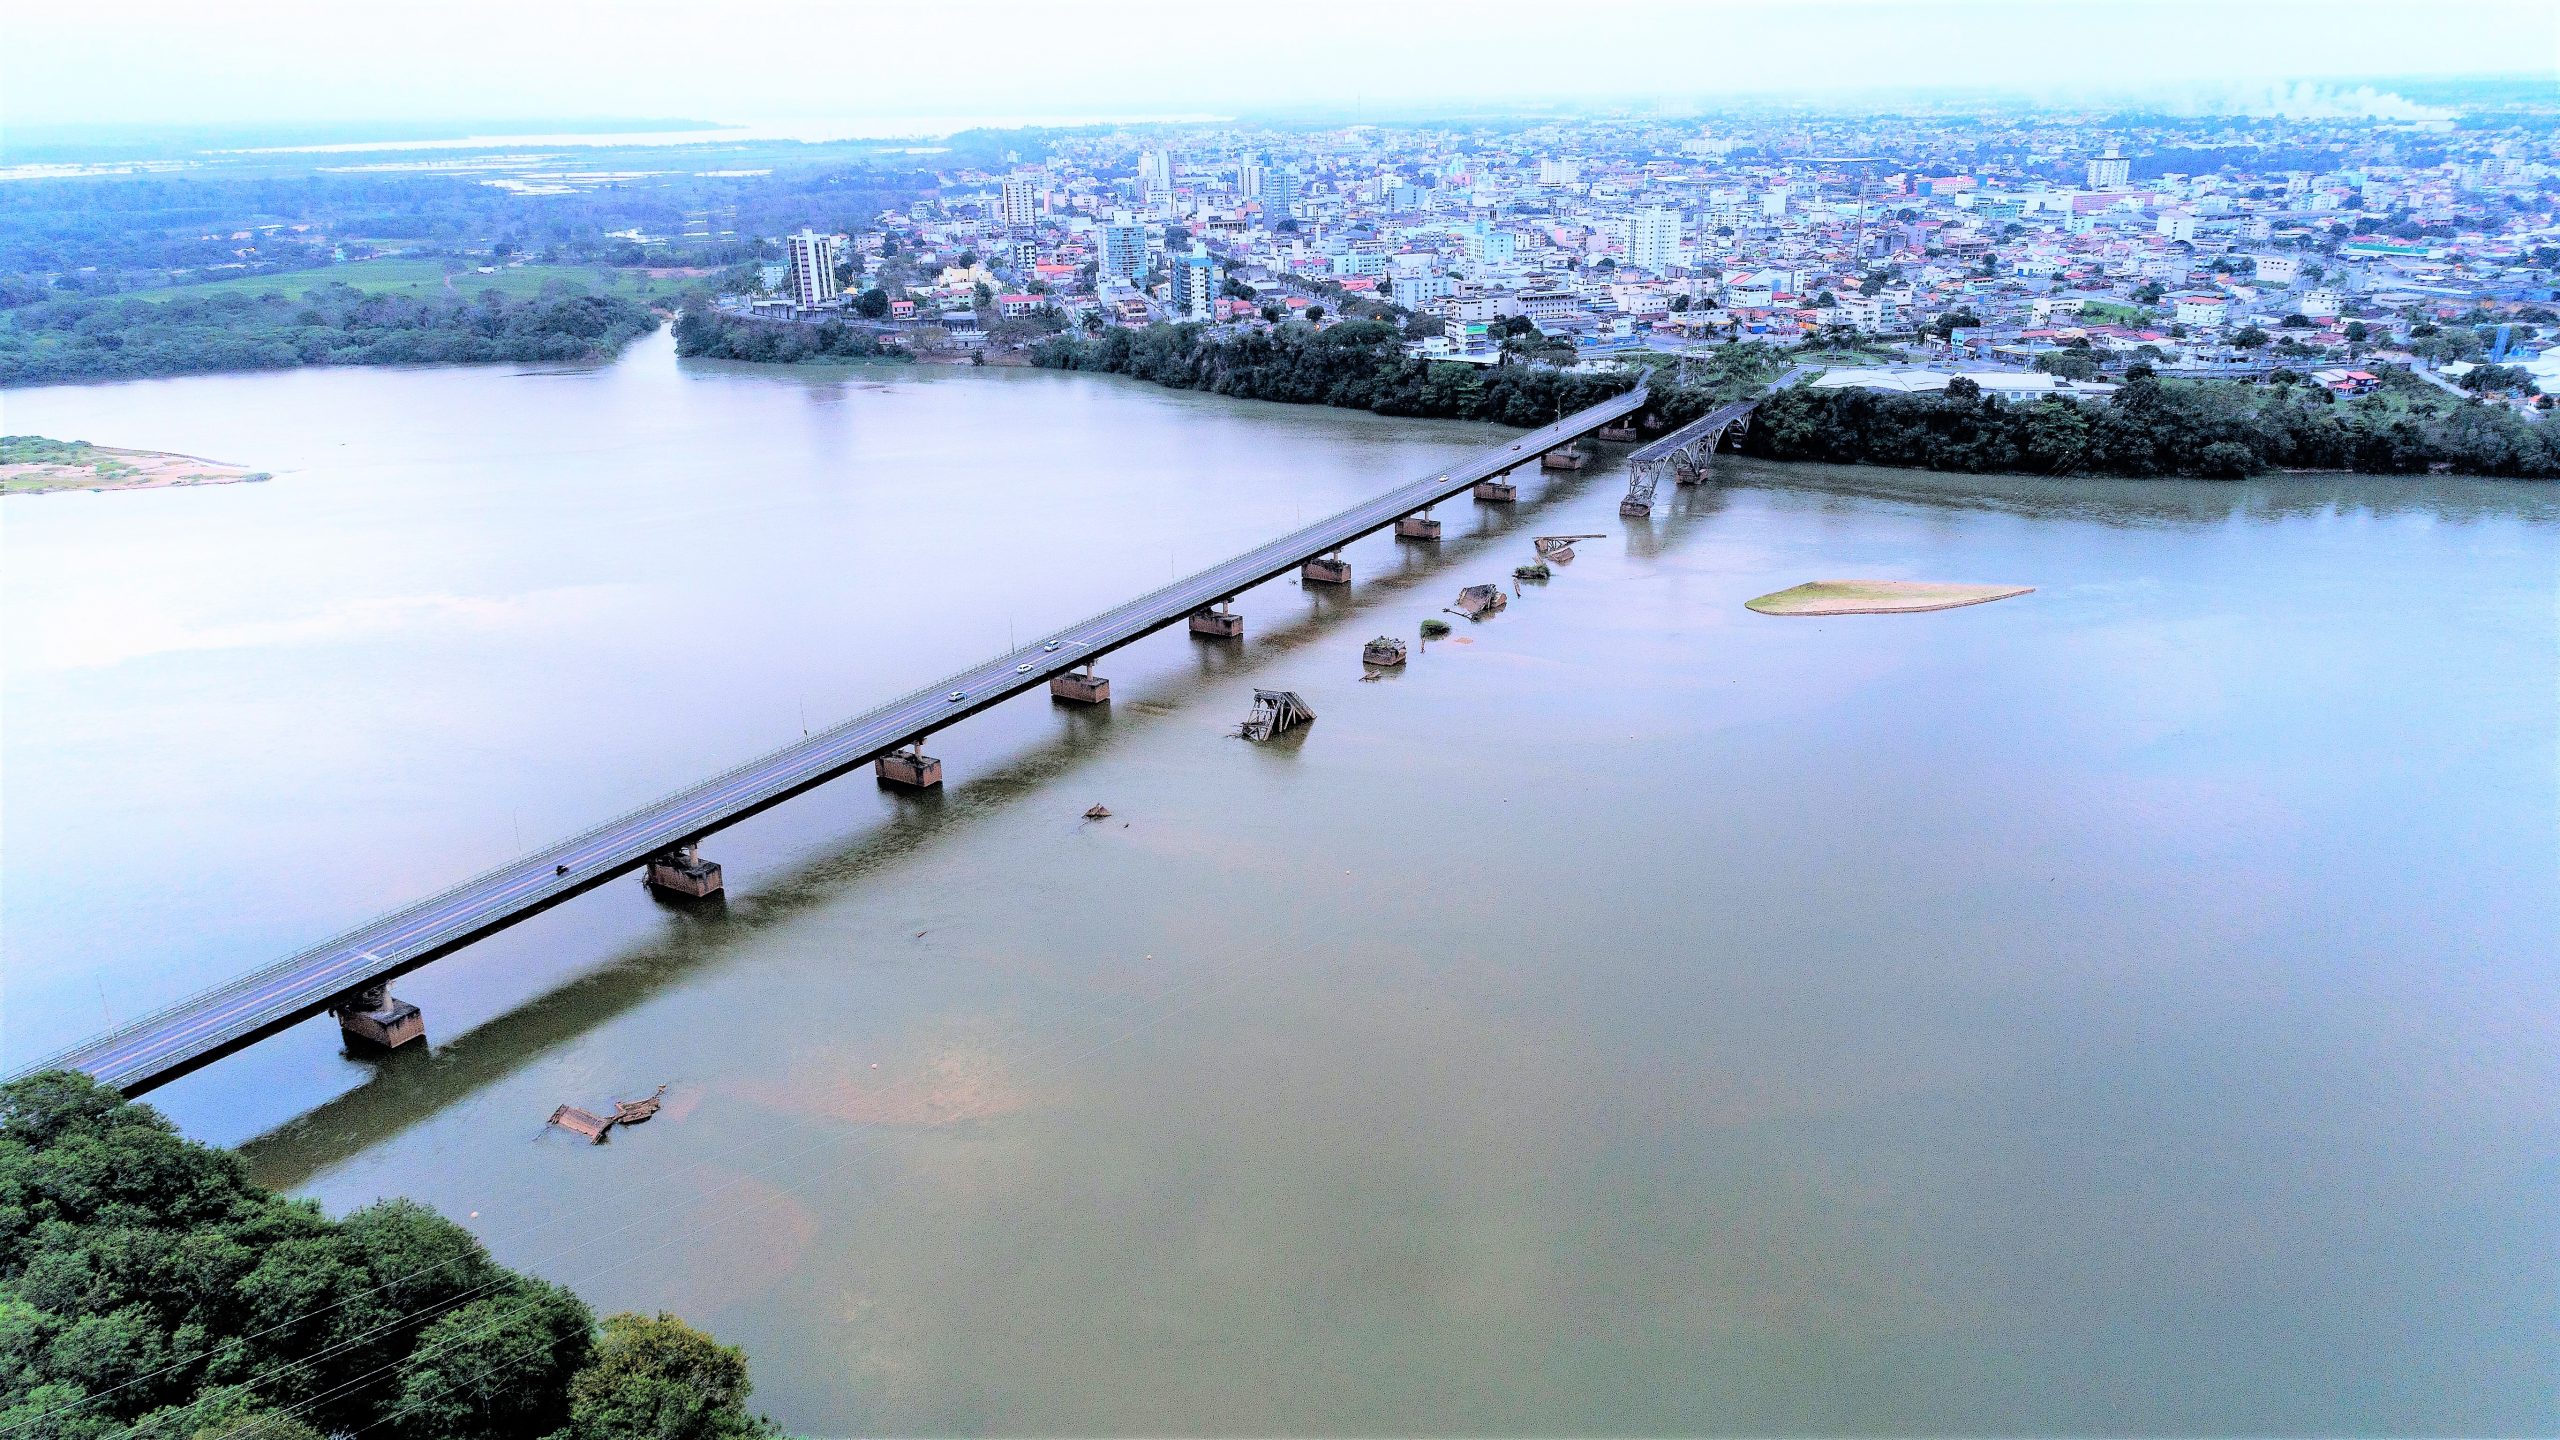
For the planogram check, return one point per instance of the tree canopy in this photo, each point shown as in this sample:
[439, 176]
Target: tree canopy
[329, 325]
[149, 1288]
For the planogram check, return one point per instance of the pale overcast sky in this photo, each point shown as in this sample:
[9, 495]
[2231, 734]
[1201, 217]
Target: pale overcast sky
[210, 62]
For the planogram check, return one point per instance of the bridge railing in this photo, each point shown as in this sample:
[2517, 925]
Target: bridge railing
[350, 941]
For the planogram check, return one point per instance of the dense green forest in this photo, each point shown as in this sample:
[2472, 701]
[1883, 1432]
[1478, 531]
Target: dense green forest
[707, 334]
[149, 1289]
[333, 325]
[2153, 428]
[1361, 365]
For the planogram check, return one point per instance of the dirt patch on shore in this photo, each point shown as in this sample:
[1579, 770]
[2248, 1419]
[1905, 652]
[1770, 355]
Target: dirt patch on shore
[1878, 597]
[34, 465]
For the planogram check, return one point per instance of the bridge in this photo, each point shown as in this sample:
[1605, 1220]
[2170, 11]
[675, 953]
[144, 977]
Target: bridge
[349, 974]
[1687, 454]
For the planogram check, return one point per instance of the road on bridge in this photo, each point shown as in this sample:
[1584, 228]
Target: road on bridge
[194, 1032]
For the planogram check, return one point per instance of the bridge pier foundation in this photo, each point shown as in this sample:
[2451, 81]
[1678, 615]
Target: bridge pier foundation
[1564, 457]
[1619, 430]
[1222, 623]
[374, 1018]
[1418, 527]
[910, 767]
[1500, 492]
[1326, 570]
[1085, 689]
[683, 871]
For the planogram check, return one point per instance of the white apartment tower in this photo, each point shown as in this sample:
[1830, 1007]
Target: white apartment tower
[1194, 292]
[2110, 171]
[1653, 239]
[1123, 249]
[811, 275]
[1020, 202]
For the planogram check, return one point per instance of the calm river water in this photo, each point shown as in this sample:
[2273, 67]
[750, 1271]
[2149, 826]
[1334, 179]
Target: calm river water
[2127, 1008]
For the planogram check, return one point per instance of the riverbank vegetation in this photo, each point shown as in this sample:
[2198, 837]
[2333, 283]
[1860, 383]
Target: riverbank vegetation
[2150, 427]
[1361, 365]
[706, 334]
[148, 1289]
[329, 325]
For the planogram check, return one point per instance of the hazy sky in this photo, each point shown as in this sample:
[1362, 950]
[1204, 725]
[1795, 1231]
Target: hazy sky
[208, 62]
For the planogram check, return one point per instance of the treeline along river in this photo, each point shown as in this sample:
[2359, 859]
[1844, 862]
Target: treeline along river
[2149, 428]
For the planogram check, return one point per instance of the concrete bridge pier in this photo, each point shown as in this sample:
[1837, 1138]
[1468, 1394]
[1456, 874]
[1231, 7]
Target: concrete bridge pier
[1326, 570]
[1498, 489]
[683, 871]
[1085, 689]
[911, 767]
[1222, 623]
[1418, 527]
[374, 1018]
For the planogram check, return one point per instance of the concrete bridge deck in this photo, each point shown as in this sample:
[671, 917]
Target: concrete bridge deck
[194, 1032]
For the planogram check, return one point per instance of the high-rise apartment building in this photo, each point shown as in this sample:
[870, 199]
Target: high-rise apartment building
[2110, 171]
[811, 277]
[1124, 248]
[1019, 202]
[1194, 292]
[1281, 189]
[1653, 239]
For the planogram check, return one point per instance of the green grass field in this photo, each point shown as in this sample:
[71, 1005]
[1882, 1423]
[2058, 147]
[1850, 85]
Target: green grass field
[421, 278]
[2101, 312]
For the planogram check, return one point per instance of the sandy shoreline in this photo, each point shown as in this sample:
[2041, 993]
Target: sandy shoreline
[33, 465]
[1879, 597]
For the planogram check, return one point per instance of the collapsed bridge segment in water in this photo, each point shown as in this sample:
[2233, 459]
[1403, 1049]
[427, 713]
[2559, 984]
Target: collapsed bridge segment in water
[350, 973]
[1687, 454]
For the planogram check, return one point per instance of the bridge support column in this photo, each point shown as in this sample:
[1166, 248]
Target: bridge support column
[374, 1018]
[683, 871]
[1418, 527]
[1326, 570]
[1619, 429]
[1500, 491]
[910, 767]
[1085, 689]
[1564, 457]
[1222, 623]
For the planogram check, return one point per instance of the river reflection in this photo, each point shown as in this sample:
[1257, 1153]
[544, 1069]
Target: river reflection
[2125, 1008]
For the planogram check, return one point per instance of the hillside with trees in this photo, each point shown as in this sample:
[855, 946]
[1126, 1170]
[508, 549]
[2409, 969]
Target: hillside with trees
[149, 1289]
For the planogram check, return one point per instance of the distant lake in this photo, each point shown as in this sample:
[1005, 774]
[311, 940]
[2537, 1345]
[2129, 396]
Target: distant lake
[2125, 1008]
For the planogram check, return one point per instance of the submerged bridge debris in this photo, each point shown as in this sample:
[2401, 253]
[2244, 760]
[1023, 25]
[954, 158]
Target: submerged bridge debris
[1275, 712]
[595, 1127]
